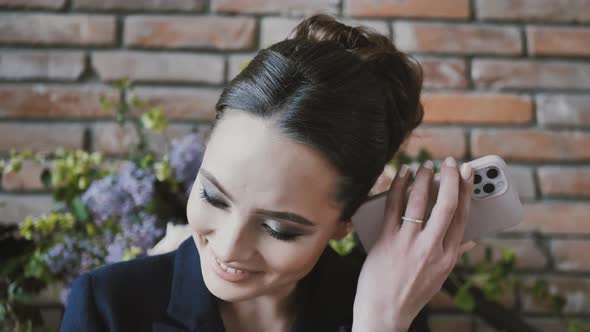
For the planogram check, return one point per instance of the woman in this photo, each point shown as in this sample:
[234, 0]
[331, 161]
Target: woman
[301, 135]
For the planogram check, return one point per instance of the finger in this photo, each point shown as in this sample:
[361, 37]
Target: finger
[418, 198]
[446, 201]
[394, 201]
[465, 247]
[454, 235]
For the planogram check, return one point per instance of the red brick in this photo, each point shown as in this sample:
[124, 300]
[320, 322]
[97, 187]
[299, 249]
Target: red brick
[221, 32]
[27, 178]
[477, 108]
[492, 73]
[55, 65]
[443, 72]
[39, 137]
[440, 323]
[457, 38]
[556, 217]
[531, 145]
[528, 255]
[58, 29]
[182, 103]
[54, 101]
[275, 29]
[235, 64]
[534, 10]
[295, 8]
[150, 66]
[570, 255]
[15, 208]
[575, 290]
[567, 181]
[114, 140]
[143, 5]
[567, 110]
[558, 41]
[440, 143]
[449, 9]
[48, 4]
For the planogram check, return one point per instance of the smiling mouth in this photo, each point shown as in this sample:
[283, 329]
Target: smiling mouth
[230, 269]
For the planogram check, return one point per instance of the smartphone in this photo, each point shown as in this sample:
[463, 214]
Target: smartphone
[495, 204]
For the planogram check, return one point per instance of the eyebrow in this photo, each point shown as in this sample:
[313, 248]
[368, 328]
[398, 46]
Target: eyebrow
[274, 214]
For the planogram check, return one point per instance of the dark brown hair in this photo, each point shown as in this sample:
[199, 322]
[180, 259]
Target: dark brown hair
[345, 91]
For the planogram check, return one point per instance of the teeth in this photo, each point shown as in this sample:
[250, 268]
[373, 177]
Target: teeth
[227, 268]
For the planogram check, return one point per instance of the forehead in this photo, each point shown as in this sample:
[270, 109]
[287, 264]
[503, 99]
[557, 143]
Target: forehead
[262, 168]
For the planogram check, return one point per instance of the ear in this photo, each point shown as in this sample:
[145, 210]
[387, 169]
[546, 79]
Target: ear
[343, 228]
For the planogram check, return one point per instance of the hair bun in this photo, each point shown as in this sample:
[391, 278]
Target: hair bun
[322, 27]
[401, 73]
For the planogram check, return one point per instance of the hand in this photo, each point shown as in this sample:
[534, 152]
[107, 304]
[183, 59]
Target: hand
[410, 261]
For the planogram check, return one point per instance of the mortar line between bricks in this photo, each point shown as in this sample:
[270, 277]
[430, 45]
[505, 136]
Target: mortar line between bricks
[470, 20]
[211, 50]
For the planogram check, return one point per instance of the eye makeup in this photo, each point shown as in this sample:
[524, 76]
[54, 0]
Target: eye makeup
[272, 231]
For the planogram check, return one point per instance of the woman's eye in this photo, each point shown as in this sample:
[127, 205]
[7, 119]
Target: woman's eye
[275, 234]
[279, 235]
[215, 202]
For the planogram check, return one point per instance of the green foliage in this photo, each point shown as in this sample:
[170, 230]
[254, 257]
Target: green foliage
[345, 245]
[68, 174]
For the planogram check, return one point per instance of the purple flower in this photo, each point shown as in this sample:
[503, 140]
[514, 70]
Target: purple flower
[142, 231]
[115, 250]
[63, 295]
[186, 156]
[63, 257]
[119, 194]
[137, 182]
[106, 198]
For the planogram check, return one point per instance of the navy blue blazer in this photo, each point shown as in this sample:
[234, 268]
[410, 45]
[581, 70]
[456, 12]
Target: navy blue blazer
[167, 293]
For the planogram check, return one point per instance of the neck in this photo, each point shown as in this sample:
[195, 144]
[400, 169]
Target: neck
[273, 312]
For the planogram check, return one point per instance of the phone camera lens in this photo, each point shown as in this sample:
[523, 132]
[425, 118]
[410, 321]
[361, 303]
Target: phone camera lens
[488, 188]
[477, 179]
[477, 191]
[492, 173]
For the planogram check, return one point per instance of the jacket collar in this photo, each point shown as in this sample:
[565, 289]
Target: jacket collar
[326, 294]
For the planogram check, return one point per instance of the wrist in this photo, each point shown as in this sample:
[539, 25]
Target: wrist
[376, 322]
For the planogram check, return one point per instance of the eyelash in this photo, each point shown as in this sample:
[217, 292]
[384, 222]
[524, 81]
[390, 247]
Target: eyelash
[268, 229]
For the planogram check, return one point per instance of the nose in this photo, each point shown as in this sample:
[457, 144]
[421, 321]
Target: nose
[233, 242]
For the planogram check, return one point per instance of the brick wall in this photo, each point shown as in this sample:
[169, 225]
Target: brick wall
[507, 77]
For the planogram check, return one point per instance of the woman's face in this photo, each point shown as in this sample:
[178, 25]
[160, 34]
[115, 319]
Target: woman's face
[269, 212]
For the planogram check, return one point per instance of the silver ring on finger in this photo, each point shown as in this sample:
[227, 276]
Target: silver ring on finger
[419, 221]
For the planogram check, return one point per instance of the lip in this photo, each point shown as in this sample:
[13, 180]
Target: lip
[228, 276]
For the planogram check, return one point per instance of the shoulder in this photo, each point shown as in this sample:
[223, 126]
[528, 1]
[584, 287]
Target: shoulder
[119, 292]
[146, 277]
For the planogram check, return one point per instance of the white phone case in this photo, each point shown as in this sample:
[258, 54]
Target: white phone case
[489, 212]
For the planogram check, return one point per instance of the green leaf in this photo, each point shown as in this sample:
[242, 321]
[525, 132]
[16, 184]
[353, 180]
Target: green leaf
[79, 209]
[345, 245]
[154, 120]
[463, 298]
[106, 104]
[122, 83]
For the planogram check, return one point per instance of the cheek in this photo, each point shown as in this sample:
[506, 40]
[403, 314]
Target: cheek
[292, 260]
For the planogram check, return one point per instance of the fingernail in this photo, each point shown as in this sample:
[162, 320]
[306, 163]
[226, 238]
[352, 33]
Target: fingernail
[450, 162]
[465, 171]
[428, 164]
[470, 245]
[403, 170]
